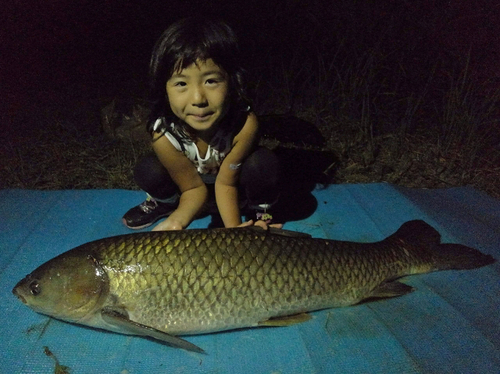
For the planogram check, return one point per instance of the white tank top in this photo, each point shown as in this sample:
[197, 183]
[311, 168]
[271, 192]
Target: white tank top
[207, 166]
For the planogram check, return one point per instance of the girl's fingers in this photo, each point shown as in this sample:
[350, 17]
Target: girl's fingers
[246, 224]
[262, 224]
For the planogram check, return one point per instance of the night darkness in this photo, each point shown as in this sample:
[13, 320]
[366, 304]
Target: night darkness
[63, 56]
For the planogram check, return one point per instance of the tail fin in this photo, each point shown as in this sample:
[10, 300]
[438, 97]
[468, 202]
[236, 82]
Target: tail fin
[421, 235]
[458, 257]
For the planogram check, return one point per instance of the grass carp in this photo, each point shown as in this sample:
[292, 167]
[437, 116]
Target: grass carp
[163, 284]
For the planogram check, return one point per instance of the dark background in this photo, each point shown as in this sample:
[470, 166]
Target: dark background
[71, 57]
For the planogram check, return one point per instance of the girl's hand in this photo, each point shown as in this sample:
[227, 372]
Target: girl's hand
[262, 224]
[167, 225]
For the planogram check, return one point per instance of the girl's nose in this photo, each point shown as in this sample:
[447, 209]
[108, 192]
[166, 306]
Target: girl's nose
[199, 99]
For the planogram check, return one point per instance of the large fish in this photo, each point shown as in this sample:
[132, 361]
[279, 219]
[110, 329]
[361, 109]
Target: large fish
[162, 284]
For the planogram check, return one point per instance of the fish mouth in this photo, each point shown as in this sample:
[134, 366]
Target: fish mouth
[18, 295]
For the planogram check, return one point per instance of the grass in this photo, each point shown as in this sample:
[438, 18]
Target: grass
[389, 111]
[460, 152]
[63, 158]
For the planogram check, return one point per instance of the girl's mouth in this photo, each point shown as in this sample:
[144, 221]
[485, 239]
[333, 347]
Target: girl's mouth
[202, 117]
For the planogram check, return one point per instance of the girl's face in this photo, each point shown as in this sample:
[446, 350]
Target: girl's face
[198, 94]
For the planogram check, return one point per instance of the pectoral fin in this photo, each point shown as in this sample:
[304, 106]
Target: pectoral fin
[286, 320]
[120, 319]
[390, 289]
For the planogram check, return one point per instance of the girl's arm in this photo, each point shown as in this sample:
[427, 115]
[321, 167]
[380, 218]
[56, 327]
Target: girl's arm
[194, 193]
[226, 184]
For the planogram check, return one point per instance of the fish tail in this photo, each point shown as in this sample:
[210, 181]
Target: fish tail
[427, 240]
[460, 257]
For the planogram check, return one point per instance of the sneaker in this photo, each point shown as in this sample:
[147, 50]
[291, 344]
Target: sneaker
[147, 213]
[262, 213]
[264, 216]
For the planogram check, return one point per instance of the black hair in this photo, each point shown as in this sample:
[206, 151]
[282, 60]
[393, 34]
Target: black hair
[184, 43]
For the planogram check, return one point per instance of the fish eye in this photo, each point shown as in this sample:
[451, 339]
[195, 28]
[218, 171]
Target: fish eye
[34, 288]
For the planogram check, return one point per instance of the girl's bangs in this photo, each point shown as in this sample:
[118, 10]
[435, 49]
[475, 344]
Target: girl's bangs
[187, 58]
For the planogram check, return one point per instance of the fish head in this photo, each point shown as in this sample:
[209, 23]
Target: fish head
[71, 287]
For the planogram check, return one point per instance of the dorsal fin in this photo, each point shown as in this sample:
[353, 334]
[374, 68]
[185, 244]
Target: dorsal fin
[417, 232]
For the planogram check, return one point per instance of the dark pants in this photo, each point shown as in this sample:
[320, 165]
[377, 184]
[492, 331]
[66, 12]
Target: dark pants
[259, 178]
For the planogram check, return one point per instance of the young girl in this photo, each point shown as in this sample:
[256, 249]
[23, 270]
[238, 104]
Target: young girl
[204, 134]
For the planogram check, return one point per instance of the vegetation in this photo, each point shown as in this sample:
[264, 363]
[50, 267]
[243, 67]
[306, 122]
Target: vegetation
[390, 108]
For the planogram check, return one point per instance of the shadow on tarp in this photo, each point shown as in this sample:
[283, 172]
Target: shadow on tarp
[301, 171]
[290, 129]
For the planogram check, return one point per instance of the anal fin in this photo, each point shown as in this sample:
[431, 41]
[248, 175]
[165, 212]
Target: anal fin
[390, 289]
[286, 320]
[120, 320]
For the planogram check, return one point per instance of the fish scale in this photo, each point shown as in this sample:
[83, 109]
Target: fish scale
[198, 268]
[199, 281]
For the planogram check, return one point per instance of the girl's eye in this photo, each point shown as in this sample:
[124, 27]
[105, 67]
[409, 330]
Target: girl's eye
[35, 288]
[180, 84]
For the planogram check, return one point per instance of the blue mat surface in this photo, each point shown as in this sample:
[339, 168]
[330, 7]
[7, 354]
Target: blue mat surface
[450, 324]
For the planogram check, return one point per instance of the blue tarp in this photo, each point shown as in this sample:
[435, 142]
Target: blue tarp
[449, 325]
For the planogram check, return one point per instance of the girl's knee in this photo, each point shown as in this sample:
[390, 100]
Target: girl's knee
[147, 165]
[260, 175]
[262, 160]
[151, 176]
